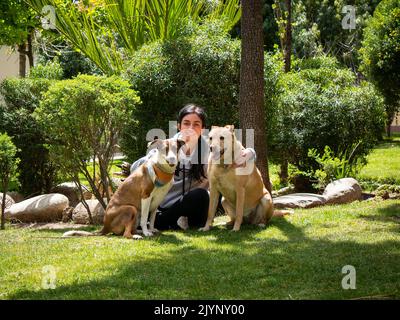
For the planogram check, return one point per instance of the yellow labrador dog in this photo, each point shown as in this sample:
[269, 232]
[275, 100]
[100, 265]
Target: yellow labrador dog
[245, 198]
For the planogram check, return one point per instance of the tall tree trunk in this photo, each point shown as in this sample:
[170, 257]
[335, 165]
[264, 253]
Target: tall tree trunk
[288, 35]
[391, 116]
[29, 51]
[284, 174]
[22, 60]
[251, 92]
[3, 205]
[389, 129]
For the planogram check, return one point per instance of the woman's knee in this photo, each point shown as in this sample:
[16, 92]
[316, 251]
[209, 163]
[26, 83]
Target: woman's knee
[201, 194]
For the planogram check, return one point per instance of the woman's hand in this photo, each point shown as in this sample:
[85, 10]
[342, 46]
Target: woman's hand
[190, 137]
[245, 155]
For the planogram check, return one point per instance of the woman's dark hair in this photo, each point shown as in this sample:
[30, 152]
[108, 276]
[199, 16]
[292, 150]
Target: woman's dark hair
[192, 108]
[197, 170]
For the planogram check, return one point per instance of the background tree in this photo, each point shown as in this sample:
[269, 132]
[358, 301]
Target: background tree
[317, 27]
[381, 54]
[17, 26]
[320, 104]
[8, 168]
[284, 19]
[251, 91]
[83, 118]
[107, 30]
[22, 96]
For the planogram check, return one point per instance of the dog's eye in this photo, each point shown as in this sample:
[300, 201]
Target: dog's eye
[222, 138]
[210, 138]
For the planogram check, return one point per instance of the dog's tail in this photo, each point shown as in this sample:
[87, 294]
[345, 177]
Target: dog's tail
[80, 233]
[281, 213]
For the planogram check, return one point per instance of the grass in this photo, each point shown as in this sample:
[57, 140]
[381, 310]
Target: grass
[296, 257]
[113, 169]
[383, 163]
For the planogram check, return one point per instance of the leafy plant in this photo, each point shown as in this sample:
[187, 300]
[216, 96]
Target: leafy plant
[8, 168]
[37, 174]
[381, 54]
[83, 118]
[320, 104]
[334, 167]
[50, 70]
[107, 30]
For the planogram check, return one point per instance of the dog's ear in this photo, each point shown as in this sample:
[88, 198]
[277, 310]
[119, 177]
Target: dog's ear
[214, 127]
[155, 144]
[231, 127]
[180, 143]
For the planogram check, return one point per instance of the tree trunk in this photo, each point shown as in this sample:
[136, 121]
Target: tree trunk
[391, 115]
[288, 35]
[389, 130]
[287, 50]
[3, 206]
[284, 172]
[251, 92]
[22, 60]
[29, 51]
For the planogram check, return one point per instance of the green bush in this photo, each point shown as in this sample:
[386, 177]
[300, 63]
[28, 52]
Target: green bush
[22, 96]
[8, 168]
[334, 167]
[50, 70]
[200, 66]
[320, 104]
[83, 118]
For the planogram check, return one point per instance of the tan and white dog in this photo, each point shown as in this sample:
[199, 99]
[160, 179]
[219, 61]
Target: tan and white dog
[141, 193]
[244, 196]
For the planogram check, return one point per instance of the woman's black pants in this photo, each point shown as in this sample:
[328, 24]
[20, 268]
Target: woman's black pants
[193, 205]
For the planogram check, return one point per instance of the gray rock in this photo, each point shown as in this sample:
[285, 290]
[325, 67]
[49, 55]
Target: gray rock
[71, 191]
[299, 200]
[16, 196]
[80, 214]
[44, 208]
[285, 191]
[9, 201]
[343, 191]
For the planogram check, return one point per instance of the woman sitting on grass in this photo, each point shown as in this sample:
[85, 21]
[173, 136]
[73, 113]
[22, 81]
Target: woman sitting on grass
[186, 203]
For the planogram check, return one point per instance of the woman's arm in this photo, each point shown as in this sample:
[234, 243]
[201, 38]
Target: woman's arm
[248, 154]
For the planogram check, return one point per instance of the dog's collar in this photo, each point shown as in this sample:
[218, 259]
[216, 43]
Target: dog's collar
[158, 177]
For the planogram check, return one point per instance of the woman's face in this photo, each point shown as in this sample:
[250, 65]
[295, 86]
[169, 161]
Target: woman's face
[191, 126]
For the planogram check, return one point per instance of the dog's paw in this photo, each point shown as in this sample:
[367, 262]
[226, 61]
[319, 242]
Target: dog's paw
[206, 228]
[147, 233]
[154, 230]
[137, 237]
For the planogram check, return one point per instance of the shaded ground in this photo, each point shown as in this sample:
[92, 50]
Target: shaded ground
[297, 257]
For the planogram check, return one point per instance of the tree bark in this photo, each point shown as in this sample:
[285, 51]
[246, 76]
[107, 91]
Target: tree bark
[3, 206]
[29, 51]
[251, 92]
[22, 60]
[288, 35]
[284, 174]
[389, 130]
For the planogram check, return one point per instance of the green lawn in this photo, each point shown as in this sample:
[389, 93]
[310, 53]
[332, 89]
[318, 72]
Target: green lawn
[296, 257]
[383, 163]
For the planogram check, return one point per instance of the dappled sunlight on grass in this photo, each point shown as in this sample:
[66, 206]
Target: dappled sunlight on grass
[298, 256]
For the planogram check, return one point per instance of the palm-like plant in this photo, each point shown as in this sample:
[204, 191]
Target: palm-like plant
[105, 30]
